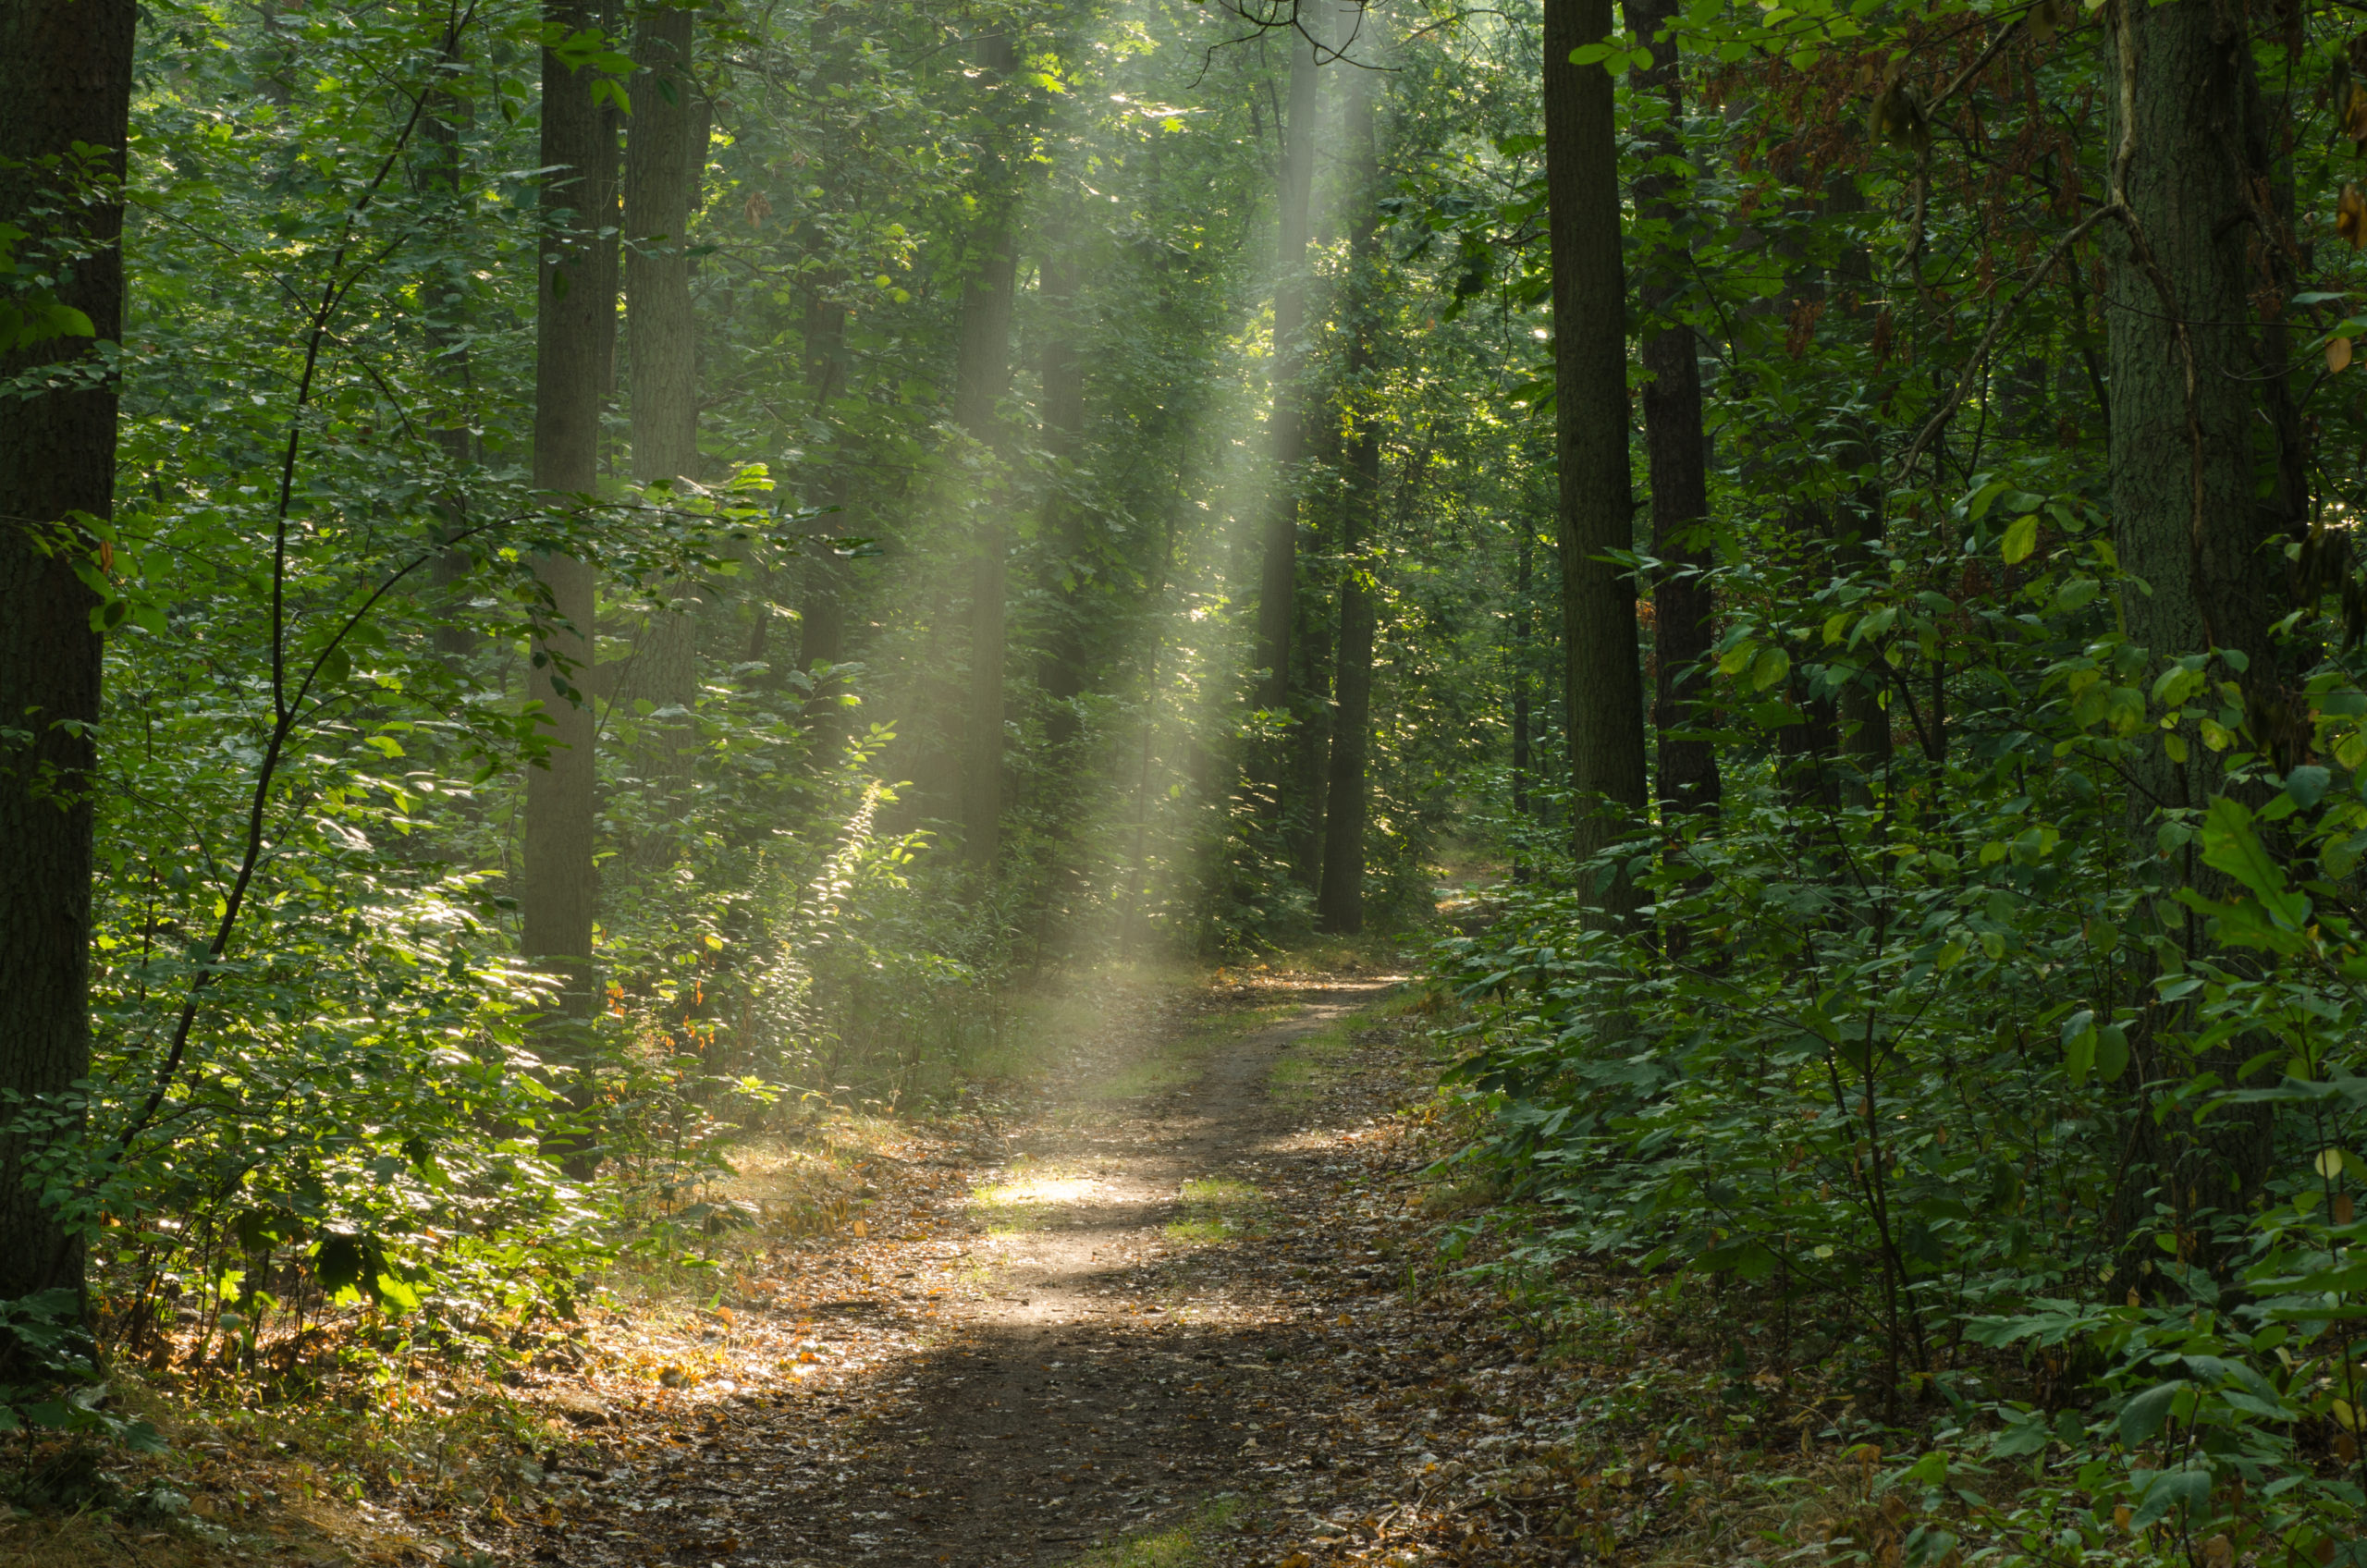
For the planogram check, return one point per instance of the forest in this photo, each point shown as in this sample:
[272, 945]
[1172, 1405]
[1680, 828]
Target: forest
[1752, 605]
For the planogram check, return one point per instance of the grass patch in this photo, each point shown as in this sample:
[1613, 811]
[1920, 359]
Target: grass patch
[1027, 1202]
[1168, 1063]
[1178, 1545]
[777, 1188]
[1216, 1210]
[1315, 1060]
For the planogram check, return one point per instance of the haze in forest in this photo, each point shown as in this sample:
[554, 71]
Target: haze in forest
[586, 586]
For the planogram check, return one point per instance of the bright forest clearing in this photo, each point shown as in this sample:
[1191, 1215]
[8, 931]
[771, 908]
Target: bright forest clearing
[1270, 783]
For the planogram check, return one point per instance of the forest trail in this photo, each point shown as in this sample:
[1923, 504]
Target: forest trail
[1085, 1329]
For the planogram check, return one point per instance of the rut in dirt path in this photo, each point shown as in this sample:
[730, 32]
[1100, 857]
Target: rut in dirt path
[1098, 1384]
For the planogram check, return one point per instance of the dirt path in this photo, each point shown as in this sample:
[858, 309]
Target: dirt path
[1125, 1331]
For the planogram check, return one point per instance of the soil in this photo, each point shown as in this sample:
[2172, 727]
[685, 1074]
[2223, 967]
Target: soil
[1070, 1402]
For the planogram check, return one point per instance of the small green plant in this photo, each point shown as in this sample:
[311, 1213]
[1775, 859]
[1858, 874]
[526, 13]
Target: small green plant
[54, 1391]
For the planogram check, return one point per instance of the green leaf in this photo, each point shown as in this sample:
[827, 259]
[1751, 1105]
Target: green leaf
[2231, 845]
[2021, 538]
[2111, 1053]
[338, 1261]
[394, 1292]
[2023, 1435]
[2307, 785]
[2143, 1419]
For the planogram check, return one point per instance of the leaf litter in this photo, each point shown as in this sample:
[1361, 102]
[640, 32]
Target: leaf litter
[1207, 1323]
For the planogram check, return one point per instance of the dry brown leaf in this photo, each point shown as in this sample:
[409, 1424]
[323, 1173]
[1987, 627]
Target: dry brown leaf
[2338, 355]
[2351, 216]
[2354, 117]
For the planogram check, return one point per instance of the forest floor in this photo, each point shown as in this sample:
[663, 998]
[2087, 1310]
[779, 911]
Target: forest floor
[1177, 1303]
[1135, 1325]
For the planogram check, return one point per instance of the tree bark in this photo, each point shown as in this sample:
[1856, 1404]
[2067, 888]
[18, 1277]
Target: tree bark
[1856, 521]
[981, 374]
[1684, 615]
[65, 77]
[2207, 479]
[575, 326]
[2199, 516]
[822, 615]
[1278, 557]
[1340, 899]
[1524, 569]
[823, 580]
[1062, 370]
[664, 156]
[1602, 684]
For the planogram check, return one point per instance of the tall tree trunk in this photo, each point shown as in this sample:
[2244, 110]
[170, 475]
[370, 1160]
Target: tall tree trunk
[664, 156]
[1856, 517]
[1684, 617]
[981, 374]
[2207, 480]
[1307, 743]
[65, 77]
[2197, 516]
[822, 576]
[1603, 700]
[575, 323]
[1063, 674]
[1340, 900]
[822, 613]
[1523, 634]
[1278, 557]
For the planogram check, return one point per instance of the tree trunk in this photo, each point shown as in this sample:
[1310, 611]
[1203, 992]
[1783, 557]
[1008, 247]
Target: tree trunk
[664, 155]
[1307, 745]
[822, 614]
[981, 374]
[575, 326]
[1684, 617]
[1524, 569]
[1278, 558]
[65, 77]
[822, 576]
[1603, 701]
[1063, 674]
[2198, 517]
[2207, 483]
[1340, 900]
[1856, 519]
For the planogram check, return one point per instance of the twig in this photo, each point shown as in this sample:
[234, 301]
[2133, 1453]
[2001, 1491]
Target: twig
[1996, 326]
